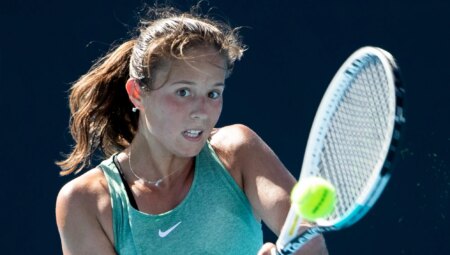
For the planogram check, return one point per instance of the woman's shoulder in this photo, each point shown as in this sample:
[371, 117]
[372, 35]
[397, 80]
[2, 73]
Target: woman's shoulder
[235, 145]
[235, 142]
[233, 137]
[84, 194]
[90, 184]
[83, 213]
[84, 203]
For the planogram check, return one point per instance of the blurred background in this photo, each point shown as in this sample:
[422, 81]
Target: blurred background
[295, 47]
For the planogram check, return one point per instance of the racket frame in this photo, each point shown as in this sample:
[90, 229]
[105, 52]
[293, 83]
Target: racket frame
[290, 241]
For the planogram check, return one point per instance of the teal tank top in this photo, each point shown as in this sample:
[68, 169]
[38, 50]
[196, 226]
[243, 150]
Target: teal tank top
[215, 217]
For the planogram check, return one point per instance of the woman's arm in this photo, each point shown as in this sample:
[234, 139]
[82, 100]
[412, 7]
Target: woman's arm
[262, 176]
[81, 207]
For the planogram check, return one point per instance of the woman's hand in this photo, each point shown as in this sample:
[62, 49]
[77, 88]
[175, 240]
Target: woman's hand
[267, 249]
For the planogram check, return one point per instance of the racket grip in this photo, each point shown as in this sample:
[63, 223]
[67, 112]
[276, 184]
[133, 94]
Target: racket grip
[290, 229]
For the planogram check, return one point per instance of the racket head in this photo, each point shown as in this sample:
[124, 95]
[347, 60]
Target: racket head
[355, 134]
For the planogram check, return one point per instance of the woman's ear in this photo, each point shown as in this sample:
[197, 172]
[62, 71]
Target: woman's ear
[134, 93]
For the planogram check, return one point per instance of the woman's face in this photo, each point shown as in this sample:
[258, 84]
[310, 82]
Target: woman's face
[186, 103]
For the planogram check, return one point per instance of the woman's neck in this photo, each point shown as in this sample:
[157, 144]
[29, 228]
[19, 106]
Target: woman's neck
[154, 165]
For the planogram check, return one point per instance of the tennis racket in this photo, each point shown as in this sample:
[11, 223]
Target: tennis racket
[352, 142]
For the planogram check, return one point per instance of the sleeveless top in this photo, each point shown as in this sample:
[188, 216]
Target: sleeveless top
[215, 217]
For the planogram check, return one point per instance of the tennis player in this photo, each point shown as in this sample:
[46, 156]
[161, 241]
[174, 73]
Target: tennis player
[171, 182]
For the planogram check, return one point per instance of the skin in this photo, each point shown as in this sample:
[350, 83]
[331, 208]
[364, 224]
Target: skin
[190, 92]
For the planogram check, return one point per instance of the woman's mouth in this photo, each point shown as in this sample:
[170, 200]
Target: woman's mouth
[193, 133]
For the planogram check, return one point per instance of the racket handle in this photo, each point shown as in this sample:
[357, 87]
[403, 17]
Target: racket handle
[290, 228]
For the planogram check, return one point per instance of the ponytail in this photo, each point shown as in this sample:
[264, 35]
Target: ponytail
[101, 116]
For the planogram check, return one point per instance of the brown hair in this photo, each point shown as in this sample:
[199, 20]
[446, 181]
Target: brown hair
[101, 116]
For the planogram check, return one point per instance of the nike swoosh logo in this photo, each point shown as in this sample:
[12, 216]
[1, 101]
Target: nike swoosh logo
[163, 234]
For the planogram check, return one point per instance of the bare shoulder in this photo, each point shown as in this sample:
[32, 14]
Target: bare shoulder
[241, 149]
[239, 143]
[234, 137]
[238, 146]
[83, 214]
[231, 144]
[83, 192]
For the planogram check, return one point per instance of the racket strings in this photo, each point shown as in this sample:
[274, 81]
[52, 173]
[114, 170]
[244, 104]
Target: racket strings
[356, 134]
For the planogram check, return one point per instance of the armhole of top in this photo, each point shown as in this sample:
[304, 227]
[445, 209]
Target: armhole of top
[230, 180]
[125, 184]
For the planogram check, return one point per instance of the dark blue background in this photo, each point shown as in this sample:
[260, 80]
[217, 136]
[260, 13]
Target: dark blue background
[295, 47]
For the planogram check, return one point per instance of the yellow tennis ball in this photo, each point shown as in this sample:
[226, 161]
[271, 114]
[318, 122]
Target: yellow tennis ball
[314, 198]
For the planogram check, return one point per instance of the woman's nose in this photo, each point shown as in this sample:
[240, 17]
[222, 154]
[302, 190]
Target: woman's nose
[200, 109]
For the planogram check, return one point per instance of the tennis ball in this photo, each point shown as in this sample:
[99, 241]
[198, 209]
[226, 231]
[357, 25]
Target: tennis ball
[313, 198]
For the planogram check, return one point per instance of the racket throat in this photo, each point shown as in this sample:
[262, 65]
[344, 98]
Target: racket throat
[297, 242]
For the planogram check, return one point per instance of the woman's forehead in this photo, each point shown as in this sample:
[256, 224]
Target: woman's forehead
[206, 62]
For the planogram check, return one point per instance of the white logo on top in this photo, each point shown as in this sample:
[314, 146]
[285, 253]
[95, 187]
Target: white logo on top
[163, 234]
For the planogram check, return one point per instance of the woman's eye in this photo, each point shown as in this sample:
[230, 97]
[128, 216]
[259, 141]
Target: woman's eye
[183, 92]
[214, 94]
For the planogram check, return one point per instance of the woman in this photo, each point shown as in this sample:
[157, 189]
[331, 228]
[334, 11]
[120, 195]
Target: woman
[172, 183]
